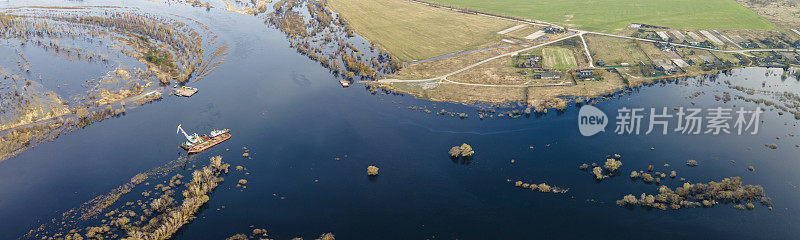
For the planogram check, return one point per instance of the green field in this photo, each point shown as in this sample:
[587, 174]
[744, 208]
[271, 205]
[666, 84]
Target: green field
[614, 15]
[615, 51]
[412, 31]
[558, 58]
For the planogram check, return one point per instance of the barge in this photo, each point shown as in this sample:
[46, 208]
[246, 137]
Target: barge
[198, 143]
[185, 91]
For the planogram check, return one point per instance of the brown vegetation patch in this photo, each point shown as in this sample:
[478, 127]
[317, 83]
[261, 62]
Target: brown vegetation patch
[781, 12]
[542, 187]
[159, 217]
[729, 190]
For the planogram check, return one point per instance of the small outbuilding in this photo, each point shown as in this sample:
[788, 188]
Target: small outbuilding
[550, 75]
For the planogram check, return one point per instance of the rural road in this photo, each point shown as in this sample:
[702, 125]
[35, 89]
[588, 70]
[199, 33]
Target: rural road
[444, 77]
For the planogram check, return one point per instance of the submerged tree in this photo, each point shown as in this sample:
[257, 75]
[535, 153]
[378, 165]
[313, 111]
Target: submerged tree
[692, 163]
[465, 150]
[729, 190]
[612, 164]
[598, 173]
[372, 170]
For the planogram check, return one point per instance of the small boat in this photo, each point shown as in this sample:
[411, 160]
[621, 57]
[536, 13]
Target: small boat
[185, 91]
[196, 144]
[344, 83]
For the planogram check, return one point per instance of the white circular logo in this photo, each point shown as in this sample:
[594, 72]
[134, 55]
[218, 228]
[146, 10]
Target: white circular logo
[591, 120]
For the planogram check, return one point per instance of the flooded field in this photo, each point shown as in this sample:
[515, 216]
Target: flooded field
[71, 66]
[311, 159]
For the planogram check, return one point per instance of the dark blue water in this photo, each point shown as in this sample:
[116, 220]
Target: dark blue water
[295, 119]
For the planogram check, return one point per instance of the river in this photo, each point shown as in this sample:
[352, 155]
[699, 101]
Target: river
[295, 120]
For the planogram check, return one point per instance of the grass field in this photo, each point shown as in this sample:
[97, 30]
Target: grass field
[413, 31]
[614, 51]
[614, 15]
[558, 58]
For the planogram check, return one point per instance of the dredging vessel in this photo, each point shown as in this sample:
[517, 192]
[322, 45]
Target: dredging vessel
[198, 143]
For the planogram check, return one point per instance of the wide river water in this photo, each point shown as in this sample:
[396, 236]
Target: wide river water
[295, 119]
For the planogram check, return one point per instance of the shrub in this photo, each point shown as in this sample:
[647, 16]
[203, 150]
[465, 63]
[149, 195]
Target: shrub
[327, 236]
[238, 237]
[455, 151]
[628, 200]
[583, 166]
[772, 146]
[544, 188]
[729, 190]
[647, 178]
[465, 150]
[372, 170]
[612, 164]
[692, 163]
[598, 173]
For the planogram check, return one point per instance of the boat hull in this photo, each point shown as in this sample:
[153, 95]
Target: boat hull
[207, 143]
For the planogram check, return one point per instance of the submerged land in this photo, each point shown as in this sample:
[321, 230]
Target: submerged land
[140, 55]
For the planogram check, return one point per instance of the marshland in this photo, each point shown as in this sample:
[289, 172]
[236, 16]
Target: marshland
[302, 145]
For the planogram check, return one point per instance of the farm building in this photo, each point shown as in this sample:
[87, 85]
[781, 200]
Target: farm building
[586, 74]
[530, 61]
[600, 63]
[552, 30]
